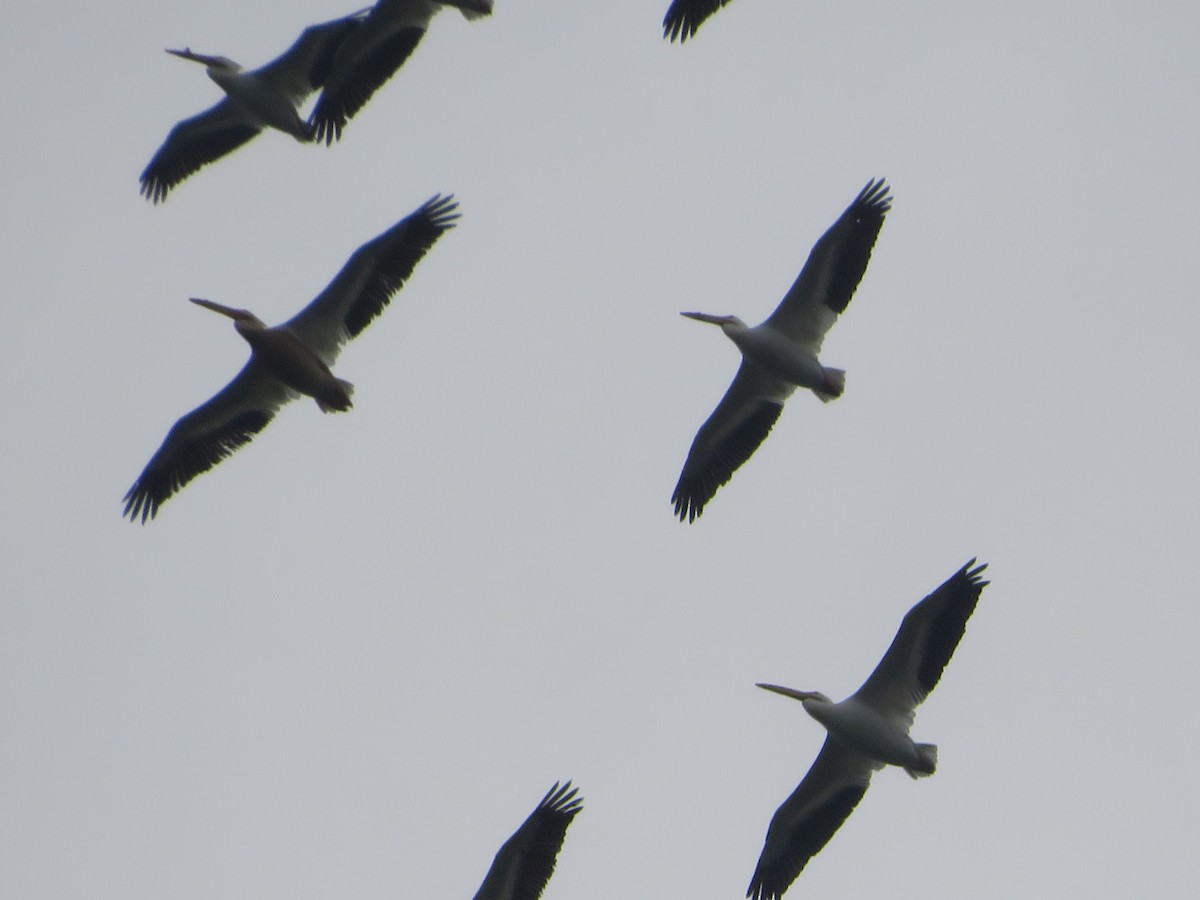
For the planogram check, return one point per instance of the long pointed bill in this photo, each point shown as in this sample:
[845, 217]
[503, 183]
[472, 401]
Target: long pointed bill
[217, 307]
[788, 692]
[186, 53]
[705, 317]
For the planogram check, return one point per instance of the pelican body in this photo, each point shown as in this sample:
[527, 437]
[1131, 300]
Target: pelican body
[865, 732]
[782, 353]
[266, 97]
[374, 53]
[524, 864]
[290, 360]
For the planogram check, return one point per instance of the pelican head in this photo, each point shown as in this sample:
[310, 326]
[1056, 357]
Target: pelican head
[726, 322]
[212, 63]
[795, 694]
[241, 317]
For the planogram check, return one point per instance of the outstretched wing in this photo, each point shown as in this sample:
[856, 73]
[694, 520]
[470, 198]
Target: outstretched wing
[207, 435]
[370, 278]
[736, 428]
[810, 817]
[524, 864]
[305, 66]
[927, 639]
[685, 16]
[367, 59]
[193, 144]
[835, 267]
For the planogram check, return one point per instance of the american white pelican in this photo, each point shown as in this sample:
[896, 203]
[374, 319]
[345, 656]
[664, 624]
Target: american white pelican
[290, 359]
[866, 731]
[685, 16]
[781, 354]
[267, 96]
[371, 56]
[526, 861]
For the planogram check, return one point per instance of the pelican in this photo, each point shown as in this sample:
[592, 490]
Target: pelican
[265, 97]
[780, 354]
[524, 864]
[290, 359]
[374, 53]
[866, 731]
[685, 16]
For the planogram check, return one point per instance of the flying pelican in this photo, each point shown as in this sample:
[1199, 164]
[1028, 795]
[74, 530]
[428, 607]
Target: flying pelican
[290, 359]
[524, 864]
[866, 731]
[267, 96]
[685, 16]
[374, 53]
[780, 354]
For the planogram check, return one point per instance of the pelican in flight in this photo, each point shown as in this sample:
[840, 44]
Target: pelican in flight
[866, 731]
[780, 354]
[265, 97]
[685, 16]
[524, 864]
[290, 359]
[373, 54]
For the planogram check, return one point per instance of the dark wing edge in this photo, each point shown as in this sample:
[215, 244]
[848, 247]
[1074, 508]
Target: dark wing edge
[351, 83]
[711, 462]
[183, 455]
[837, 262]
[191, 145]
[954, 603]
[852, 238]
[805, 823]
[527, 859]
[402, 247]
[364, 286]
[933, 628]
[684, 17]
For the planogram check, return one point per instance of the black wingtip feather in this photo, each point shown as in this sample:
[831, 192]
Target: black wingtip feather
[773, 877]
[684, 17]
[962, 591]
[695, 489]
[160, 480]
[417, 233]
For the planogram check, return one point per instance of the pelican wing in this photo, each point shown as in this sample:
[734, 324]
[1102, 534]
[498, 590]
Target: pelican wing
[305, 66]
[736, 428]
[193, 144]
[685, 16]
[367, 282]
[807, 820]
[835, 267]
[207, 435]
[927, 638]
[364, 63]
[524, 864]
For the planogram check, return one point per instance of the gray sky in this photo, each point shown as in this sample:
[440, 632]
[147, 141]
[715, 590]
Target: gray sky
[349, 661]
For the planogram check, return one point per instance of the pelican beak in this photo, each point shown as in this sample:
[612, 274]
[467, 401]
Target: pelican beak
[217, 307]
[186, 53]
[705, 317]
[788, 692]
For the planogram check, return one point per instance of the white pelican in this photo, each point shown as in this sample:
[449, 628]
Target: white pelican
[780, 354]
[685, 16]
[866, 731]
[290, 359]
[374, 53]
[265, 97]
[526, 861]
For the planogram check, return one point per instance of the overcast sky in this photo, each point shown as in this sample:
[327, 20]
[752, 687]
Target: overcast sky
[349, 661]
